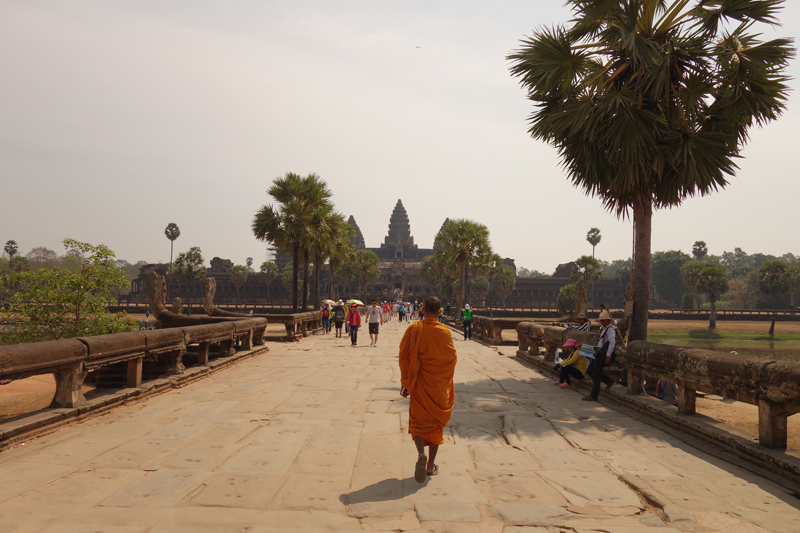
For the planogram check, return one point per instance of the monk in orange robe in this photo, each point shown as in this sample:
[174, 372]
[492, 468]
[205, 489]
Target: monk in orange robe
[427, 362]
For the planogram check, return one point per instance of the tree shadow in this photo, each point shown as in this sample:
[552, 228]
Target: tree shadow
[704, 334]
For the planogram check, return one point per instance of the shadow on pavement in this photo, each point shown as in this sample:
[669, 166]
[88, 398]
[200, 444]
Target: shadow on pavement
[383, 491]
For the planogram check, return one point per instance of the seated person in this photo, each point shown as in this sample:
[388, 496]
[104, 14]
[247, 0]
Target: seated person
[573, 364]
[667, 391]
[583, 323]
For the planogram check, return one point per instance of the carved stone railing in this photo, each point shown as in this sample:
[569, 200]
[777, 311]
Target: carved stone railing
[70, 360]
[773, 386]
[492, 328]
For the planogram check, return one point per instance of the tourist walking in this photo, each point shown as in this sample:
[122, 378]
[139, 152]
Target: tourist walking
[466, 320]
[338, 318]
[353, 321]
[572, 365]
[401, 312]
[604, 354]
[427, 363]
[374, 319]
[325, 316]
[415, 311]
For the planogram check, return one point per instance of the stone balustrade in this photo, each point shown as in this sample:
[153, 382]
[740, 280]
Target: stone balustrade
[70, 360]
[773, 386]
[487, 328]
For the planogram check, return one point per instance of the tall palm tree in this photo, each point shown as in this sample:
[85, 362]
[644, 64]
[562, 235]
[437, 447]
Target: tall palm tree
[239, 275]
[286, 226]
[189, 266]
[172, 231]
[773, 278]
[463, 242]
[650, 101]
[321, 229]
[341, 249]
[594, 238]
[11, 249]
[367, 265]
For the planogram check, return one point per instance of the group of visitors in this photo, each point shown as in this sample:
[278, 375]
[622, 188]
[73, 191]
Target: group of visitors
[580, 361]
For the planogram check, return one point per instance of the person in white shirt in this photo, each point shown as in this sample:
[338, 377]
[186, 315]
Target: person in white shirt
[374, 318]
[604, 356]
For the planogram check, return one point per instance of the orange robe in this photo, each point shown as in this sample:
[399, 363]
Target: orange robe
[427, 362]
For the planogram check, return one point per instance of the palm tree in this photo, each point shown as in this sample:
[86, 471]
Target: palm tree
[650, 101]
[773, 278]
[713, 280]
[429, 272]
[11, 249]
[463, 241]
[699, 250]
[589, 269]
[505, 281]
[249, 263]
[690, 275]
[189, 266]
[286, 226]
[366, 264]
[594, 238]
[269, 271]
[239, 274]
[172, 231]
[341, 249]
[321, 230]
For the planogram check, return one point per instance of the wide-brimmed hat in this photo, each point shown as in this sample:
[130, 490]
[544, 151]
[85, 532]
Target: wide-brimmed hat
[571, 343]
[340, 302]
[580, 315]
[604, 315]
[466, 306]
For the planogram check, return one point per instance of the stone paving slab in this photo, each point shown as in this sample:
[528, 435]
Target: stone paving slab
[312, 436]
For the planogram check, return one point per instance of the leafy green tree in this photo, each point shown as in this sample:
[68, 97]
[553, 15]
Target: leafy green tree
[566, 299]
[429, 273]
[287, 224]
[288, 282]
[269, 272]
[449, 273]
[699, 250]
[773, 279]
[479, 288]
[340, 253]
[239, 275]
[58, 304]
[610, 269]
[689, 275]
[665, 275]
[41, 257]
[367, 266]
[189, 266]
[687, 302]
[19, 264]
[588, 269]
[743, 287]
[793, 275]
[504, 282]
[11, 248]
[650, 101]
[463, 242]
[735, 259]
[713, 281]
[594, 238]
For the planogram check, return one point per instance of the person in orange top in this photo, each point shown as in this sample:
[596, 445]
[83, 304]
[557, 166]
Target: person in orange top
[427, 362]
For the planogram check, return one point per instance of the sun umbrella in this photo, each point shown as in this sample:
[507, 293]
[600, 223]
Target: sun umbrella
[357, 302]
[328, 302]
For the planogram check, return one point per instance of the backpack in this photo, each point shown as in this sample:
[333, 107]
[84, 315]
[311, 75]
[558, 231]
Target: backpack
[325, 313]
[339, 314]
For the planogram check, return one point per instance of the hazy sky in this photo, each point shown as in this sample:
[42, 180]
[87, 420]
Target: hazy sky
[120, 117]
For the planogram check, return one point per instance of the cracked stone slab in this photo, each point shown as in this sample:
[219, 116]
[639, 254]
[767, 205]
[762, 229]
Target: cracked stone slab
[447, 512]
[231, 489]
[592, 488]
[164, 488]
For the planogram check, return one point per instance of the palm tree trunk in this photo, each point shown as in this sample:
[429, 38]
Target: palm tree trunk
[491, 287]
[305, 280]
[317, 260]
[295, 272]
[330, 280]
[774, 315]
[712, 323]
[641, 272]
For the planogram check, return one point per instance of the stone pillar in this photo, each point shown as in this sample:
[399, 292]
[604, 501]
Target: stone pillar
[247, 340]
[226, 348]
[634, 382]
[687, 400]
[258, 336]
[304, 329]
[134, 372]
[497, 336]
[174, 361]
[550, 348]
[523, 342]
[69, 386]
[289, 331]
[772, 428]
[202, 353]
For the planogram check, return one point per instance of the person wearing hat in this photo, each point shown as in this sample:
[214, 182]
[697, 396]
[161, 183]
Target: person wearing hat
[574, 364]
[583, 323]
[466, 319]
[604, 355]
[338, 318]
[354, 321]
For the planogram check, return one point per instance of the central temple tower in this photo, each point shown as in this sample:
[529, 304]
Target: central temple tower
[398, 244]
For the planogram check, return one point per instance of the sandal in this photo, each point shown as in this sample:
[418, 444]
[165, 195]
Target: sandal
[435, 470]
[419, 470]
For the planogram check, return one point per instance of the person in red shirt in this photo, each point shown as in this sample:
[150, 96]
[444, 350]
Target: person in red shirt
[354, 320]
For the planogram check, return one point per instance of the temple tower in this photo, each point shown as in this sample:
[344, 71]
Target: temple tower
[358, 238]
[438, 245]
[398, 244]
